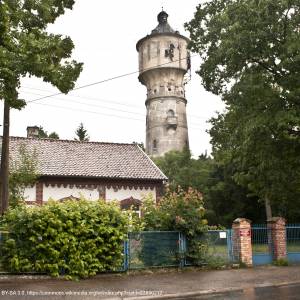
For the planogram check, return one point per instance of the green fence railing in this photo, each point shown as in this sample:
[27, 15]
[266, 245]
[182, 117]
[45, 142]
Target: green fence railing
[154, 249]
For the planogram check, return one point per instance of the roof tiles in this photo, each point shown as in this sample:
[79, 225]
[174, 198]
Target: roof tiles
[88, 159]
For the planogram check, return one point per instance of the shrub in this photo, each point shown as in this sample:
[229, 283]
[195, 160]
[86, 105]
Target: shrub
[179, 211]
[74, 238]
[281, 262]
[22, 173]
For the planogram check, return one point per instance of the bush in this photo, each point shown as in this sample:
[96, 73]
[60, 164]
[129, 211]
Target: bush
[74, 238]
[179, 211]
[281, 262]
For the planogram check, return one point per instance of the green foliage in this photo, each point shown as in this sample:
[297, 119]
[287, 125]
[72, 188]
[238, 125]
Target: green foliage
[281, 262]
[26, 48]
[74, 238]
[44, 134]
[81, 133]
[185, 171]
[216, 262]
[226, 200]
[179, 211]
[250, 52]
[23, 173]
[135, 223]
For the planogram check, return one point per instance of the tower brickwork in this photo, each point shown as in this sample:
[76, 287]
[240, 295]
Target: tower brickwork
[163, 62]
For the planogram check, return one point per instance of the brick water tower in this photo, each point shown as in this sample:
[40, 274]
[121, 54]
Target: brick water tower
[163, 65]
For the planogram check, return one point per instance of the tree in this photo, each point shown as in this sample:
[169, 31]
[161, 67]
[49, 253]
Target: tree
[250, 53]
[27, 49]
[81, 133]
[44, 134]
[185, 171]
[53, 135]
[226, 200]
[23, 172]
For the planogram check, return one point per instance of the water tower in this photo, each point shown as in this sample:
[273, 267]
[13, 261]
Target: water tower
[163, 64]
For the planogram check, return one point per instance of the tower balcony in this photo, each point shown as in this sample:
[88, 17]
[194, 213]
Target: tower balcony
[172, 121]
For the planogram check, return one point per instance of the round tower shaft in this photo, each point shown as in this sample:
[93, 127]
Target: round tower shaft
[163, 62]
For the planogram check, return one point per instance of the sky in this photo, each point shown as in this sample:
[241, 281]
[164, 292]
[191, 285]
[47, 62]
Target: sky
[105, 34]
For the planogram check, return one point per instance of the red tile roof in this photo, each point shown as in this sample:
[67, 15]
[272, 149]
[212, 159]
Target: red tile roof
[88, 159]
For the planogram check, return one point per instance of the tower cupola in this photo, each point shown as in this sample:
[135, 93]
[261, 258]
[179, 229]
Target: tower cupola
[163, 25]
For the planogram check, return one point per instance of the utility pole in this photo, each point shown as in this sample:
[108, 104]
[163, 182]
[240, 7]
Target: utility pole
[4, 172]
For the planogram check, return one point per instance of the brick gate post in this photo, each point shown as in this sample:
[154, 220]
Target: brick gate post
[278, 237]
[242, 247]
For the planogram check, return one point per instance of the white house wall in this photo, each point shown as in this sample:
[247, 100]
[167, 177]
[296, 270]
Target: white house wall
[58, 192]
[120, 194]
[30, 193]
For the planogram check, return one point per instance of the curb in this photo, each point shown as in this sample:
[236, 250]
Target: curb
[209, 292]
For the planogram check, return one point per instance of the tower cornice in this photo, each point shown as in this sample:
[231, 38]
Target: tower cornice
[172, 34]
[157, 69]
[159, 98]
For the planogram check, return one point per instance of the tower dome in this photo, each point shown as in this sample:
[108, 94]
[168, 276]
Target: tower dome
[163, 25]
[163, 62]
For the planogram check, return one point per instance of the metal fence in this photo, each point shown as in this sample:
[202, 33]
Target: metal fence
[293, 237]
[293, 242]
[218, 243]
[154, 249]
[262, 248]
[168, 249]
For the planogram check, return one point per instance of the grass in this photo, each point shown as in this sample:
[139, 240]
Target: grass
[221, 250]
[293, 247]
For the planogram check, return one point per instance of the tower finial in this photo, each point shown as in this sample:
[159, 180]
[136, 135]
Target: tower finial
[162, 17]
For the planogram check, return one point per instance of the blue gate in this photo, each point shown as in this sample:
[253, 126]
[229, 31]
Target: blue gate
[293, 242]
[262, 250]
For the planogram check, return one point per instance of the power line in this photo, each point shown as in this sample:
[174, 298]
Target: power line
[76, 96]
[110, 79]
[104, 114]
[93, 105]
[95, 99]
[105, 107]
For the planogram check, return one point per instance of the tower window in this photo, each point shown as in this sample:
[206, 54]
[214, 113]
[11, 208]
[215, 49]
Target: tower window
[171, 113]
[154, 145]
[170, 52]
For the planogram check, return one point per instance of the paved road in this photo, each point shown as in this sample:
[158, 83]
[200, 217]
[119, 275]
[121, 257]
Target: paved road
[284, 292]
[253, 283]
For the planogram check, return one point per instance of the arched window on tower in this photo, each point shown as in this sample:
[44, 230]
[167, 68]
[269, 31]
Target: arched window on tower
[171, 119]
[170, 113]
[154, 145]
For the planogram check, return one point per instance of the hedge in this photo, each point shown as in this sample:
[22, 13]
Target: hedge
[76, 239]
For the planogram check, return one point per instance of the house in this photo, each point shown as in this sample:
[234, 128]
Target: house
[95, 170]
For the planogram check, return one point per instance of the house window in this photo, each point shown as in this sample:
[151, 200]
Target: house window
[133, 204]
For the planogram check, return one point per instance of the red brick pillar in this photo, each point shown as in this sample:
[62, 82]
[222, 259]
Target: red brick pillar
[278, 237]
[241, 240]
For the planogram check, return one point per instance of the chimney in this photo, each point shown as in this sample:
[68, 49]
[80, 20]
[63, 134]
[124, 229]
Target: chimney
[32, 131]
